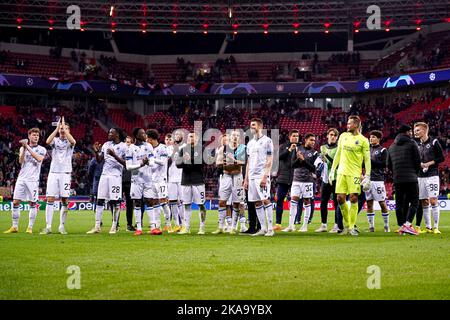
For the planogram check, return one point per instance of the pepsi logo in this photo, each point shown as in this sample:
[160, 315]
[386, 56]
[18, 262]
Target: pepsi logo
[72, 206]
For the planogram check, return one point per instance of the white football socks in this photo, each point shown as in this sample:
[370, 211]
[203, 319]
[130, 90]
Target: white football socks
[15, 216]
[49, 214]
[62, 215]
[427, 216]
[435, 212]
[260, 212]
[138, 217]
[371, 219]
[98, 215]
[292, 213]
[32, 216]
[269, 215]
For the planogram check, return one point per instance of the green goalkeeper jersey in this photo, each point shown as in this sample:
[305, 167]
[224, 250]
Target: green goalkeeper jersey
[352, 150]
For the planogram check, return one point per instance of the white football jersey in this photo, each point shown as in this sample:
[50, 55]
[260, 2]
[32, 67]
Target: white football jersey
[135, 154]
[111, 167]
[62, 152]
[31, 168]
[159, 169]
[174, 172]
[258, 150]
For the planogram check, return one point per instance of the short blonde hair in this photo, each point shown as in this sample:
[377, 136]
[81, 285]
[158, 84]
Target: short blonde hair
[423, 125]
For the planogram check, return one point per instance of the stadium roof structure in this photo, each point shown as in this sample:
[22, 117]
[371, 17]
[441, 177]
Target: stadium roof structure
[246, 16]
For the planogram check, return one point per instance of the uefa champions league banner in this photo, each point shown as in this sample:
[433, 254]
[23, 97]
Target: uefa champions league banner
[404, 80]
[122, 89]
[246, 89]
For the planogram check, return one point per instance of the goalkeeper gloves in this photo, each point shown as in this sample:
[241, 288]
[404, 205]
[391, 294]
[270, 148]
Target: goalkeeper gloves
[331, 176]
[366, 184]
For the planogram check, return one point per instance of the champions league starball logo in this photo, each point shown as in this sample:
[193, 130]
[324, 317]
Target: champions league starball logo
[3, 81]
[333, 87]
[405, 79]
[240, 88]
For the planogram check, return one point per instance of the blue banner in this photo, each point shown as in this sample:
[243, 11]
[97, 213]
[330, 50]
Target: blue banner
[185, 89]
[404, 80]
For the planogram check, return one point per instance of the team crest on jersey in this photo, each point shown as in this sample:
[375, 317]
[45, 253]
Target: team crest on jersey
[195, 154]
[376, 152]
[357, 142]
[428, 146]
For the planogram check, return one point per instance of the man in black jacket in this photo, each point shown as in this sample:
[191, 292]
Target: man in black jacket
[404, 161]
[285, 173]
[190, 159]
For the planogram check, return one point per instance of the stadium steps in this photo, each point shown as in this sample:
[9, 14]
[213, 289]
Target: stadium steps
[341, 71]
[388, 62]
[39, 65]
[415, 112]
[316, 125]
[123, 118]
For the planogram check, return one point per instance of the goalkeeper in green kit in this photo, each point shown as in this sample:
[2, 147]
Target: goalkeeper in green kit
[353, 149]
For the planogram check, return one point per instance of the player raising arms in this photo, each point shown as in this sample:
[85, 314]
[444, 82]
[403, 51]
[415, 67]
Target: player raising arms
[231, 158]
[110, 184]
[431, 155]
[58, 182]
[353, 149]
[137, 158]
[158, 190]
[27, 184]
[257, 177]
[377, 191]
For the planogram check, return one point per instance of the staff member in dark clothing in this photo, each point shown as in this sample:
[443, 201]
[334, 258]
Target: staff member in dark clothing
[404, 161]
[190, 159]
[126, 186]
[285, 173]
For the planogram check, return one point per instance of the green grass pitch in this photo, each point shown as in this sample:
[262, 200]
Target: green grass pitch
[287, 266]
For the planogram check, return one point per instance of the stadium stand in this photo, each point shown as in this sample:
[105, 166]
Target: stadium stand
[34, 64]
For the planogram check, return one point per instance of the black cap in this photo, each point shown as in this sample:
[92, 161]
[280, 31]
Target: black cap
[404, 128]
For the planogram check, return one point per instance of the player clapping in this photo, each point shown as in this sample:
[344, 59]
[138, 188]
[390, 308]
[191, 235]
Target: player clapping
[173, 144]
[58, 182]
[158, 189]
[257, 177]
[110, 185]
[192, 181]
[27, 185]
[231, 158]
[137, 158]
